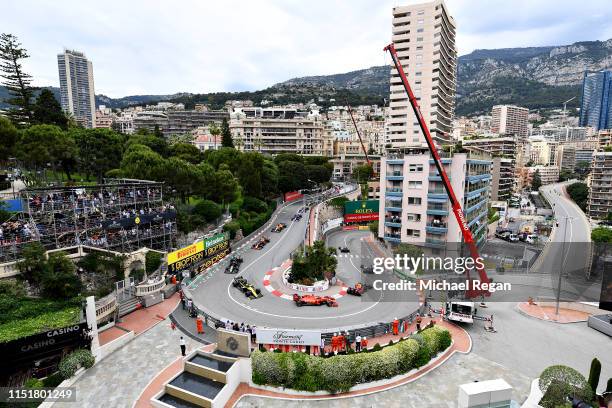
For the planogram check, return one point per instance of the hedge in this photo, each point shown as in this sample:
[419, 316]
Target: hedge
[558, 381]
[339, 373]
[71, 363]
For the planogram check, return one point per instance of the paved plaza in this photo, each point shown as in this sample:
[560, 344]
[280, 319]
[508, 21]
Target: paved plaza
[118, 380]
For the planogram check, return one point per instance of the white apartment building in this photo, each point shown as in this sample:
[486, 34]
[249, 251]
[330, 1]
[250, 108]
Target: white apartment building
[77, 95]
[510, 120]
[414, 206]
[280, 130]
[542, 151]
[600, 189]
[424, 37]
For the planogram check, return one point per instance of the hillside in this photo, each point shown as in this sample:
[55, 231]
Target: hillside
[535, 77]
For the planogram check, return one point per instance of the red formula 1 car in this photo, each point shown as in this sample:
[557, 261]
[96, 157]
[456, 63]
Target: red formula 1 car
[261, 243]
[313, 300]
[357, 290]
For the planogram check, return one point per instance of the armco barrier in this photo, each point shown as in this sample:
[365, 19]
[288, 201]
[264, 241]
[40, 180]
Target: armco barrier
[318, 286]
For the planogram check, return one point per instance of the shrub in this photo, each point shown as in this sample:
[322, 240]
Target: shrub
[563, 374]
[609, 385]
[71, 363]
[376, 347]
[153, 260]
[233, 227]
[558, 391]
[436, 339]
[340, 373]
[33, 383]
[53, 380]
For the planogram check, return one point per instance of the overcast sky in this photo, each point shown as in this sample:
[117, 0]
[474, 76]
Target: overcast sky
[159, 47]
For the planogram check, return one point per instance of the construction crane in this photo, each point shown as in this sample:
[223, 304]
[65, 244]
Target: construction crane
[350, 111]
[456, 205]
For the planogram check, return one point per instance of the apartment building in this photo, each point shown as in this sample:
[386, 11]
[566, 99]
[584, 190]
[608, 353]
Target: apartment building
[510, 120]
[280, 130]
[596, 100]
[503, 171]
[604, 138]
[77, 94]
[177, 121]
[566, 157]
[414, 204]
[542, 151]
[344, 165]
[424, 37]
[600, 189]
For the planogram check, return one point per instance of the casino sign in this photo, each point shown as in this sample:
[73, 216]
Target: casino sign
[361, 210]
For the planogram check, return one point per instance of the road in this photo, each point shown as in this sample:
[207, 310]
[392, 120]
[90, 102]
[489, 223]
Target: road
[214, 294]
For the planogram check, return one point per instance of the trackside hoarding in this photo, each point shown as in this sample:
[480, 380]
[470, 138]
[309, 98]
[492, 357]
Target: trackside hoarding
[198, 252]
[358, 211]
[288, 337]
[293, 195]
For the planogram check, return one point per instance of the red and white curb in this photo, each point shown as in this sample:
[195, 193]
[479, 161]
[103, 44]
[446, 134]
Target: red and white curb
[268, 285]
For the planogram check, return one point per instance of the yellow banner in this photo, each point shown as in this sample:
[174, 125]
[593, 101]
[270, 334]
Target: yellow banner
[363, 228]
[185, 252]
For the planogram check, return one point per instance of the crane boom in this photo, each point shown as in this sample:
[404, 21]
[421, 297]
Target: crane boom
[350, 111]
[456, 205]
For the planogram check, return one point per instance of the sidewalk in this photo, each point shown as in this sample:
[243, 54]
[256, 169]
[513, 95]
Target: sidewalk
[547, 313]
[118, 380]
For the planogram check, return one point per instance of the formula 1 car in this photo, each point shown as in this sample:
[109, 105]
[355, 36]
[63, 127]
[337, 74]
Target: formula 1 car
[279, 227]
[313, 300]
[245, 287]
[261, 243]
[296, 217]
[344, 249]
[234, 265]
[356, 290]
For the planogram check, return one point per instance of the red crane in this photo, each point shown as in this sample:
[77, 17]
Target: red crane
[456, 205]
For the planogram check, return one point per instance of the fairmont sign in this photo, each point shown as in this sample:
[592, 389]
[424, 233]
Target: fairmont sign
[288, 337]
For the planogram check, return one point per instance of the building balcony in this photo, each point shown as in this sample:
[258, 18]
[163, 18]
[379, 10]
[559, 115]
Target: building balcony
[478, 177]
[395, 161]
[472, 194]
[437, 210]
[392, 224]
[437, 194]
[394, 192]
[393, 209]
[437, 177]
[437, 228]
[393, 237]
[395, 175]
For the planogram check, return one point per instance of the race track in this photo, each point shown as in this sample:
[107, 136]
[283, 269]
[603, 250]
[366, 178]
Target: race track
[213, 293]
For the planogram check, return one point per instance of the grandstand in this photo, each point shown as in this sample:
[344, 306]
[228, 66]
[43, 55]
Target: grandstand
[121, 215]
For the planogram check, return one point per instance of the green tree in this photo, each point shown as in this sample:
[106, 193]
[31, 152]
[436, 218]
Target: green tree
[47, 110]
[60, 280]
[215, 131]
[8, 138]
[373, 227]
[16, 80]
[579, 192]
[38, 146]
[184, 177]
[292, 176]
[157, 132]
[565, 175]
[536, 181]
[318, 173]
[226, 135]
[318, 262]
[65, 153]
[187, 152]
[32, 265]
[153, 260]
[249, 173]
[269, 177]
[362, 173]
[224, 155]
[338, 202]
[601, 235]
[143, 163]
[225, 187]
[157, 144]
[208, 210]
[292, 157]
[594, 374]
[100, 150]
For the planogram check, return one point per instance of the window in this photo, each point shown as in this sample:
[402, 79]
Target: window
[415, 184]
[419, 56]
[418, 73]
[420, 30]
[413, 233]
[415, 168]
[414, 200]
[421, 12]
[419, 38]
[420, 21]
[419, 47]
[413, 217]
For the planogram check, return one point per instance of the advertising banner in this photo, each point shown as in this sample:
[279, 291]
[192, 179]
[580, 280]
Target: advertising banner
[293, 195]
[206, 252]
[358, 211]
[289, 337]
